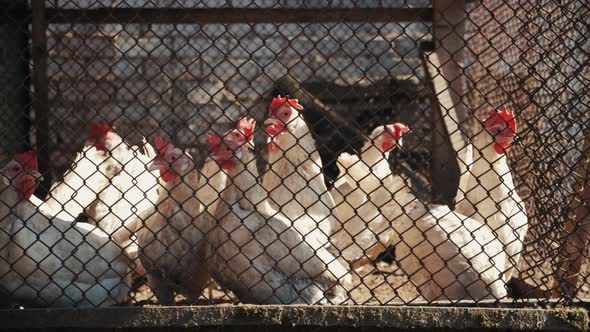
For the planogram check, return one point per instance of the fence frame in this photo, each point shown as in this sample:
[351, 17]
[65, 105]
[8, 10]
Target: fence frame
[443, 61]
[448, 30]
[298, 318]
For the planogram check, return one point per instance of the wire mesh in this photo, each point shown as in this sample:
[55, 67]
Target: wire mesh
[262, 161]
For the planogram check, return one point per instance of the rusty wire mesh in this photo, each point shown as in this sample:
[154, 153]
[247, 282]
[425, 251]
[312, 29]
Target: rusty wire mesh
[160, 203]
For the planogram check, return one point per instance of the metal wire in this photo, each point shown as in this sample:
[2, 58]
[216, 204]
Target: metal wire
[171, 199]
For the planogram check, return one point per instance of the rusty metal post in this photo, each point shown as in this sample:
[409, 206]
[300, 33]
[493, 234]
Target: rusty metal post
[40, 96]
[444, 65]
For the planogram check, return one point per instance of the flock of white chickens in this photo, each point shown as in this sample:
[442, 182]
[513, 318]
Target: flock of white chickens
[283, 240]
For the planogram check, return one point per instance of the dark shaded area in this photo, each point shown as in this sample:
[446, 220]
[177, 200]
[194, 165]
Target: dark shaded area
[519, 289]
[388, 256]
[341, 117]
[15, 99]
[331, 130]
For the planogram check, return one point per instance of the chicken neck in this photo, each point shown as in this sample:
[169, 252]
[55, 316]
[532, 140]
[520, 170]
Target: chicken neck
[490, 184]
[180, 193]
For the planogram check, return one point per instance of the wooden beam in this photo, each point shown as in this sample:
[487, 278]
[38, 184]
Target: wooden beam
[445, 66]
[234, 15]
[40, 96]
[443, 168]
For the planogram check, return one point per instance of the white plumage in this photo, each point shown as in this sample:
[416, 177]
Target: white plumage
[257, 253]
[47, 261]
[444, 254]
[491, 195]
[171, 234]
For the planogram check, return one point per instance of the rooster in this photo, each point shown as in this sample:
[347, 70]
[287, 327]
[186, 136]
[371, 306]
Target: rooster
[445, 255]
[294, 178]
[171, 235]
[491, 196]
[48, 261]
[88, 175]
[360, 217]
[254, 250]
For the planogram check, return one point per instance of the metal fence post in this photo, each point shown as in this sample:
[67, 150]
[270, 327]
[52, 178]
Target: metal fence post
[40, 96]
[444, 67]
[14, 77]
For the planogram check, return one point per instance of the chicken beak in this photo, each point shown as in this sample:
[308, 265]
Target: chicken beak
[158, 165]
[271, 121]
[238, 153]
[38, 176]
[275, 127]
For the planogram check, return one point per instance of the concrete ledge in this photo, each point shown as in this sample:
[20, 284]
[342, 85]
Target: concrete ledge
[299, 316]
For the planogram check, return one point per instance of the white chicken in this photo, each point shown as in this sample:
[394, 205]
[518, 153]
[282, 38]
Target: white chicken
[171, 236]
[50, 262]
[129, 194]
[363, 226]
[447, 256]
[294, 179]
[88, 175]
[491, 196]
[255, 251]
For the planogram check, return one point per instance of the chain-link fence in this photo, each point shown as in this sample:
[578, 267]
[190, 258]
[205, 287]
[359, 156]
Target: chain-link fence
[284, 152]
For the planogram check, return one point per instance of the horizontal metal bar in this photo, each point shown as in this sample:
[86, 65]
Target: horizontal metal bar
[232, 15]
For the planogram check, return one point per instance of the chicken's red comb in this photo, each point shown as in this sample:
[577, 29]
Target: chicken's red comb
[213, 140]
[247, 125]
[280, 101]
[502, 117]
[99, 129]
[398, 129]
[161, 145]
[28, 160]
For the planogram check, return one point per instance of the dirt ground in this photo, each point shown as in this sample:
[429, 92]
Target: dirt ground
[382, 284]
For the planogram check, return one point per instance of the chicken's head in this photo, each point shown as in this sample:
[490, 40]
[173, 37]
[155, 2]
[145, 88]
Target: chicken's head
[23, 172]
[244, 132]
[502, 127]
[102, 137]
[170, 161]
[223, 151]
[283, 113]
[386, 138]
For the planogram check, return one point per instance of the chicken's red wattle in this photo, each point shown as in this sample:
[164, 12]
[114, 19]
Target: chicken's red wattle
[168, 175]
[388, 145]
[274, 129]
[26, 187]
[273, 147]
